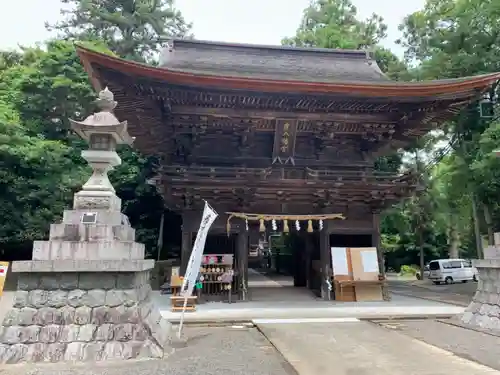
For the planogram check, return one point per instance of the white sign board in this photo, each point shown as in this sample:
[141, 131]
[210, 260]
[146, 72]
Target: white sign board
[194, 264]
[339, 261]
[369, 259]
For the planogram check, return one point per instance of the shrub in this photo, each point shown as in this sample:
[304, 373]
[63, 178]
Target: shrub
[409, 270]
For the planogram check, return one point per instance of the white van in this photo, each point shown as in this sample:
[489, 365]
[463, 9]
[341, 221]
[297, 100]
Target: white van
[451, 270]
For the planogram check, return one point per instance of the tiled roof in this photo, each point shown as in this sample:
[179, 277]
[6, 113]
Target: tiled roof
[271, 62]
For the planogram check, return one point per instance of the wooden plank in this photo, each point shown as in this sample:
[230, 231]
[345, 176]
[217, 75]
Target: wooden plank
[358, 270]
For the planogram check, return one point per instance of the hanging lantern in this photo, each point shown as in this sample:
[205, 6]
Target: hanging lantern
[321, 225]
[297, 225]
[309, 226]
[262, 227]
[246, 224]
[285, 226]
[274, 226]
[486, 107]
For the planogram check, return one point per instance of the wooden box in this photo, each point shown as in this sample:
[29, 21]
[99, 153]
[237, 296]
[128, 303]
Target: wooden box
[345, 293]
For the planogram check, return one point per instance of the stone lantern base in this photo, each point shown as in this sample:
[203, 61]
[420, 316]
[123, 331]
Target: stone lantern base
[85, 296]
[484, 310]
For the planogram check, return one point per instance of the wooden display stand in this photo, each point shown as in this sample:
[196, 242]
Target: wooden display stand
[175, 282]
[342, 282]
[357, 277]
[177, 303]
[366, 274]
[216, 275]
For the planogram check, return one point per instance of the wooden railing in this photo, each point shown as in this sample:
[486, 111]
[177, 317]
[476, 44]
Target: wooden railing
[360, 175]
[215, 172]
[307, 174]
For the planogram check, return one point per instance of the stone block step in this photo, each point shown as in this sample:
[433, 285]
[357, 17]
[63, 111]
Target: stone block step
[91, 232]
[87, 250]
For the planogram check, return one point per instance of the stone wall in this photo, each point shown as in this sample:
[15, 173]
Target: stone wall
[83, 317]
[484, 310]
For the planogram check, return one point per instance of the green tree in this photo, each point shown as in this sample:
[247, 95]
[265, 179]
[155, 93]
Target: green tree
[450, 39]
[454, 38]
[9, 58]
[44, 87]
[36, 181]
[335, 24]
[48, 86]
[133, 29]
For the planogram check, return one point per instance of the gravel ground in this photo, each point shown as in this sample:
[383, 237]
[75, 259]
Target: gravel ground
[209, 351]
[465, 343]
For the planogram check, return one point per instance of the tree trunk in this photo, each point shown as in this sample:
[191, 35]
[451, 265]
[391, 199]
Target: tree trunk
[454, 240]
[422, 255]
[489, 224]
[477, 230]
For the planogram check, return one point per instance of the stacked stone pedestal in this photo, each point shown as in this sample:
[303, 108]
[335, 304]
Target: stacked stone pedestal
[85, 296]
[484, 310]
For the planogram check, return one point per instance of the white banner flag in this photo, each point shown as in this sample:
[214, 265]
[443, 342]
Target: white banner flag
[194, 264]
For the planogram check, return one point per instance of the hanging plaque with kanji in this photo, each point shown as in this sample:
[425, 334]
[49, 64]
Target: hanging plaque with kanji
[284, 141]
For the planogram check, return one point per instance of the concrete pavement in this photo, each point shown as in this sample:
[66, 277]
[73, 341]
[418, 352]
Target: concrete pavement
[362, 348]
[275, 298]
[400, 307]
[209, 351]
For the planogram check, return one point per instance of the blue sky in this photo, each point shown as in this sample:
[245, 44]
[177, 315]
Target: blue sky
[243, 21]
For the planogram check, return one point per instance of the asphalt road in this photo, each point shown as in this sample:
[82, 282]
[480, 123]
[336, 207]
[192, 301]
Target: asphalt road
[458, 294]
[465, 343]
[363, 348]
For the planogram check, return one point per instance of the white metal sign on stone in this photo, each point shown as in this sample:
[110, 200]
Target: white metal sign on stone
[194, 264]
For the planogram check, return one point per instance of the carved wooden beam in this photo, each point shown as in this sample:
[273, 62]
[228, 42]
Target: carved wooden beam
[266, 114]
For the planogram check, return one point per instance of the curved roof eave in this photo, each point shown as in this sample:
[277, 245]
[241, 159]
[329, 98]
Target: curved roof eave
[379, 89]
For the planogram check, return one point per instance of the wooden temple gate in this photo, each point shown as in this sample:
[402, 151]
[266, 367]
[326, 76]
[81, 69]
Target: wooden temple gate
[276, 130]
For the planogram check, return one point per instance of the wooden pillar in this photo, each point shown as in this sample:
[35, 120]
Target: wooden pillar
[254, 235]
[186, 247]
[308, 259]
[376, 242]
[242, 263]
[299, 260]
[324, 248]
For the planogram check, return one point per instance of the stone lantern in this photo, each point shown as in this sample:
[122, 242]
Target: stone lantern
[103, 132]
[86, 295]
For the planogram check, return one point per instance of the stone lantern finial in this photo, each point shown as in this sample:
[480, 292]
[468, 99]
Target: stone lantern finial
[103, 131]
[106, 101]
